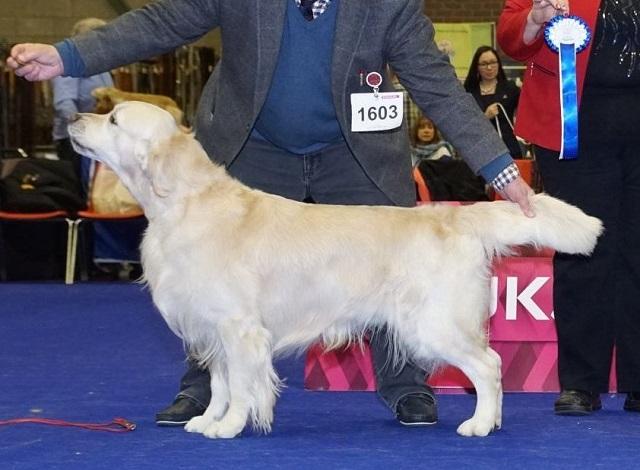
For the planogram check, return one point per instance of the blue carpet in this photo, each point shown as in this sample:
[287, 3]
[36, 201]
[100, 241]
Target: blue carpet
[91, 352]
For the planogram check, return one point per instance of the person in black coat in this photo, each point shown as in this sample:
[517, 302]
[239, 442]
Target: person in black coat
[496, 95]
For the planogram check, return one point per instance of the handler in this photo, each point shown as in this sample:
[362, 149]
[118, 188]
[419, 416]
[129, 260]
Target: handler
[301, 105]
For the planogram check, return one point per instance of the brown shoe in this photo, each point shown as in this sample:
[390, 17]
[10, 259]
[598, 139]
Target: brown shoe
[577, 403]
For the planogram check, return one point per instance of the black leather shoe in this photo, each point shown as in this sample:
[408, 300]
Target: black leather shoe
[417, 410]
[577, 403]
[632, 403]
[179, 412]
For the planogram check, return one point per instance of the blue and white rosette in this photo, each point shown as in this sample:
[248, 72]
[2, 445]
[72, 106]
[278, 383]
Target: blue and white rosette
[568, 35]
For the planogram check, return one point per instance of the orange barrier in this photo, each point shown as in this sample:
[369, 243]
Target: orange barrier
[422, 189]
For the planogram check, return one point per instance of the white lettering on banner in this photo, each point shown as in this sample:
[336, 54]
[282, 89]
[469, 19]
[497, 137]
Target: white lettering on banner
[493, 303]
[525, 297]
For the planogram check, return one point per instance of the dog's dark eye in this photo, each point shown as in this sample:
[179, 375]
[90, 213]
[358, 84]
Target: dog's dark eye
[112, 120]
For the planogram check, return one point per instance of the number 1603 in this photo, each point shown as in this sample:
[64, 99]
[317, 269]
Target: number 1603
[378, 113]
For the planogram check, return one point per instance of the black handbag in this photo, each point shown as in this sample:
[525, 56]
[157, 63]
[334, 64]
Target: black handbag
[452, 180]
[31, 185]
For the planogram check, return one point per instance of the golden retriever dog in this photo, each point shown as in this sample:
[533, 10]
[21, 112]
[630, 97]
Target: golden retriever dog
[241, 275]
[108, 97]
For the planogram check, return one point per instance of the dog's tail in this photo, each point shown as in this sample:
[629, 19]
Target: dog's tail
[557, 225]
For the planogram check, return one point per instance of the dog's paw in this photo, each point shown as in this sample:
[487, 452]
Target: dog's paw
[222, 430]
[197, 424]
[475, 427]
[498, 421]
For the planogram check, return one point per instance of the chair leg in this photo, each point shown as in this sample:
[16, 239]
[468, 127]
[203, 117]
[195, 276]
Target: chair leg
[85, 251]
[72, 249]
[68, 275]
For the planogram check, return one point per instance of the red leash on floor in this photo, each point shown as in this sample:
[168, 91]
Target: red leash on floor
[116, 425]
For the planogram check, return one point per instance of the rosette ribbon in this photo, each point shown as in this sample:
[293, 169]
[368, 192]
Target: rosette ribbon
[568, 35]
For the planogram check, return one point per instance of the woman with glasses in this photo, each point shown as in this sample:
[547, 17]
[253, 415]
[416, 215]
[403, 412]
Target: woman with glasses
[495, 94]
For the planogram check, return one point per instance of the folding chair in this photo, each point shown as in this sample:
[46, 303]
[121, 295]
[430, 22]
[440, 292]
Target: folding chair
[48, 217]
[80, 237]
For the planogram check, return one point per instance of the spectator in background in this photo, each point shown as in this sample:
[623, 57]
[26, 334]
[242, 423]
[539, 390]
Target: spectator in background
[496, 95]
[596, 299]
[427, 142]
[72, 95]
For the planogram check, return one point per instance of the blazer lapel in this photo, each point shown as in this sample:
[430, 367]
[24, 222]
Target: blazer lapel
[350, 24]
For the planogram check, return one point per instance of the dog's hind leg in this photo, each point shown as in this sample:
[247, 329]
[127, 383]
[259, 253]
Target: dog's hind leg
[498, 359]
[219, 398]
[481, 365]
[253, 382]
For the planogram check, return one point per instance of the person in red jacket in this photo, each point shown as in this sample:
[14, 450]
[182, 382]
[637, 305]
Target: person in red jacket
[596, 299]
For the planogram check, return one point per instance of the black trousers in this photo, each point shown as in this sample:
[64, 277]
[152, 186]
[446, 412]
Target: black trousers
[597, 298]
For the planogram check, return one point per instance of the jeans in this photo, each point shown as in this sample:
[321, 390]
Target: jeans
[329, 176]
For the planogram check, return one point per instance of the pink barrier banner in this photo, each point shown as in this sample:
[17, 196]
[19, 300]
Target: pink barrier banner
[339, 370]
[526, 367]
[522, 300]
[521, 330]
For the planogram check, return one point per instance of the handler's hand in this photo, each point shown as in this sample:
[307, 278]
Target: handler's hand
[35, 62]
[518, 191]
[543, 10]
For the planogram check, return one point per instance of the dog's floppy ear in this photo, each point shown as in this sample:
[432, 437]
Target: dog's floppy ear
[159, 164]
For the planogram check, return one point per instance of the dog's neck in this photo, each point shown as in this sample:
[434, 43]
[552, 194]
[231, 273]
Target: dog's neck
[178, 171]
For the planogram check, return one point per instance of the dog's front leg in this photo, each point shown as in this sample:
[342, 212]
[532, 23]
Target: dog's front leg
[252, 381]
[219, 399]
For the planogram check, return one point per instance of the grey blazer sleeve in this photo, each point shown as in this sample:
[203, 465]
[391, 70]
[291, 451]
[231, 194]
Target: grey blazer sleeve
[369, 35]
[154, 29]
[431, 81]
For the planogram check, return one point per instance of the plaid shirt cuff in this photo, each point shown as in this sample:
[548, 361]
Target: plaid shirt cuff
[506, 176]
